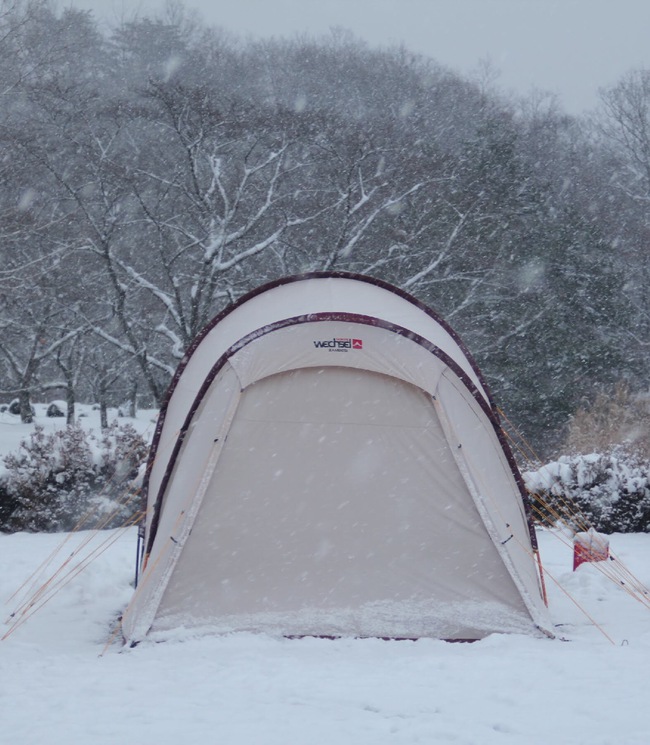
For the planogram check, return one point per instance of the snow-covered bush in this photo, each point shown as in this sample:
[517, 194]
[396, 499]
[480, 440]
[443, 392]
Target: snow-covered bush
[55, 409]
[71, 478]
[611, 490]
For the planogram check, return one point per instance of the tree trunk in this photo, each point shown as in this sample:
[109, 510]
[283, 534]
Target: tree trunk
[103, 406]
[133, 400]
[26, 413]
[70, 399]
[70, 402]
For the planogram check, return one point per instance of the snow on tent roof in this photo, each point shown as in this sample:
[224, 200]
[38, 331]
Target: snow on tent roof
[329, 462]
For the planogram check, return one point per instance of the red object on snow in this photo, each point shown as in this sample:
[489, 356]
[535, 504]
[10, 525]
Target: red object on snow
[589, 546]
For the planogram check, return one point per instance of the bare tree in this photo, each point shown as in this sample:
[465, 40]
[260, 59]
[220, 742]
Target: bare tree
[624, 127]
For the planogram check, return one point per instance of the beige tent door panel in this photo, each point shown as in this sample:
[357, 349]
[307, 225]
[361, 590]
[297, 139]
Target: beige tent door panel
[337, 508]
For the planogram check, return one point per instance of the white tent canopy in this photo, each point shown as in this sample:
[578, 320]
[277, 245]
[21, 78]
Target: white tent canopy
[329, 463]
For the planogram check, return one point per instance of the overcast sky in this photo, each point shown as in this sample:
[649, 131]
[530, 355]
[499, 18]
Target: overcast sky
[569, 47]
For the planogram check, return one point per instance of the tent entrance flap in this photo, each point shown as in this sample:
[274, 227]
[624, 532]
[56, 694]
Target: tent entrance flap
[338, 508]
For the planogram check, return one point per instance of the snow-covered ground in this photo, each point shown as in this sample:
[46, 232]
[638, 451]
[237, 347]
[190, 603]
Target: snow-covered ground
[61, 683]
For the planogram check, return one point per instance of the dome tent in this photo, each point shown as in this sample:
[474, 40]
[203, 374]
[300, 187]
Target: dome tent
[329, 462]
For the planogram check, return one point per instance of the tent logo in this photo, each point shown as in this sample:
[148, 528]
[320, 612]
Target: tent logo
[339, 345]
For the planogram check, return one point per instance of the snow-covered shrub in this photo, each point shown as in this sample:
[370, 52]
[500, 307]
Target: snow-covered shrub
[121, 453]
[611, 490]
[71, 478]
[55, 409]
